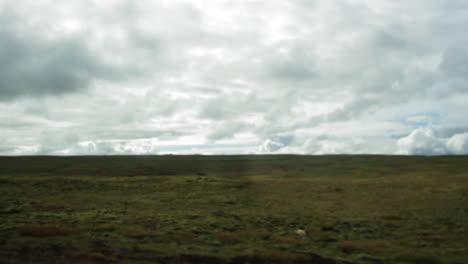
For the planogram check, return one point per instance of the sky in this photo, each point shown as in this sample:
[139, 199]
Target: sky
[109, 77]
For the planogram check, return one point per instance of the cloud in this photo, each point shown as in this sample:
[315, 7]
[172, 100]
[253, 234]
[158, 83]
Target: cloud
[458, 144]
[421, 119]
[281, 144]
[426, 141]
[422, 141]
[270, 146]
[37, 65]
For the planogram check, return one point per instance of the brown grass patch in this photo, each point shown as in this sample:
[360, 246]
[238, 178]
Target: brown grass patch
[349, 246]
[415, 258]
[45, 230]
[282, 256]
[186, 238]
[49, 205]
[278, 171]
[139, 232]
[85, 256]
[427, 236]
[103, 228]
[254, 235]
[395, 217]
[437, 190]
[433, 238]
[288, 240]
[227, 237]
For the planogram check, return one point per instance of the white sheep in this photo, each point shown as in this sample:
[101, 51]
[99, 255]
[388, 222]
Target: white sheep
[300, 232]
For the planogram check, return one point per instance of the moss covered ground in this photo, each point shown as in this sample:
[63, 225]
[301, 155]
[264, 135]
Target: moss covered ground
[234, 209]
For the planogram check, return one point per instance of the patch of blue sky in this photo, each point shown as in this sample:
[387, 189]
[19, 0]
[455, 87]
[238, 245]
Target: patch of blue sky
[424, 119]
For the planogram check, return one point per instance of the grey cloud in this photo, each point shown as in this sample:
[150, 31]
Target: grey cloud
[219, 110]
[5, 150]
[129, 134]
[448, 132]
[290, 63]
[293, 71]
[101, 148]
[228, 129]
[284, 139]
[230, 106]
[354, 109]
[6, 146]
[34, 65]
[123, 141]
[52, 142]
[454, 62]
[330, 144]
[390, 40]
[15, 123]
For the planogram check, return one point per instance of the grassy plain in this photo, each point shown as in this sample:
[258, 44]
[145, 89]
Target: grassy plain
[234, 209]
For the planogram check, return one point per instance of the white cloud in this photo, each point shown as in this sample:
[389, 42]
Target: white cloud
[270, 146]
[458, 144]
[422, 141]
[425, 141]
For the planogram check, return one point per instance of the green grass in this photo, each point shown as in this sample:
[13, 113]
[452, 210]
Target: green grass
[234, 209]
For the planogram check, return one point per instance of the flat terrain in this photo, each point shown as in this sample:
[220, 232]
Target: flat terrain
[234, 209]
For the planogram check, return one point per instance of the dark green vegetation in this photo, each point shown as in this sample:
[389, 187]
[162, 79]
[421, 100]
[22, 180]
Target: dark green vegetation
[234, 209]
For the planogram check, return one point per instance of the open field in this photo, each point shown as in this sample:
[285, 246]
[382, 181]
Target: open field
[234, 209]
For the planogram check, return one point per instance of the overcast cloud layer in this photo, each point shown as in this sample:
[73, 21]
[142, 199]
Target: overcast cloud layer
[233, 77]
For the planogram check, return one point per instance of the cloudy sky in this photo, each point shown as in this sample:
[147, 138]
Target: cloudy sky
[233, 77]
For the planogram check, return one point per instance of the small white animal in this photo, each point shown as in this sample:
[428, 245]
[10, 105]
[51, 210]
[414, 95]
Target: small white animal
[300, 232]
